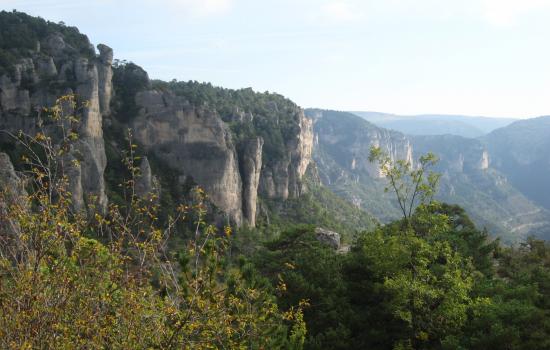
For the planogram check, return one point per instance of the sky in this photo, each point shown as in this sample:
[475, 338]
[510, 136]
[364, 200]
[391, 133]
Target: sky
[472, 57]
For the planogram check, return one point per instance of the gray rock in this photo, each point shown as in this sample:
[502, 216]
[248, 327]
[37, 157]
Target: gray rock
[9, 180]
[146, 184]
[105, 75]
[328, 237]
[92, 86]
[73, 170]
[105, 54]
[197, 143]
[250, 166]
[283, 178]
[54, 44]
[90, 145]
[12, 191]
[45, 67]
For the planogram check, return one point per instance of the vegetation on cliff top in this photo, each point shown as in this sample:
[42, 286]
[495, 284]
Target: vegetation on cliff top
[20, 34]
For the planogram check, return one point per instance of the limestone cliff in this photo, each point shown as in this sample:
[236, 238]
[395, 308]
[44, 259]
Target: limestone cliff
[147, 183]
[196, 142]
[250, 166]
[350, 140]
[12, 191]
[281, 178]
[56, 68]
[236, 144]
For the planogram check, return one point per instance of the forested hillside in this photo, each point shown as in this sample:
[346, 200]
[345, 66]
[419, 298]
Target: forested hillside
[472, 174]
[143, 214]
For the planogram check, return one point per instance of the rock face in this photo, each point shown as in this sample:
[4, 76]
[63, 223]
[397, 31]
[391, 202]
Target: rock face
[484, 161]
[282, 179]
[147, 183]
[351, 139]
[251, 165]
[105, 74]
[199, 144]
[12, 191]
[194, 141]
[90, 143]
[10, 183]
[38, 81]
[328, 237]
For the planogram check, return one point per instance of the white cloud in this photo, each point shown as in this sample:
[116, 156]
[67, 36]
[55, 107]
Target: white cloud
[508, 12]
[340, 11]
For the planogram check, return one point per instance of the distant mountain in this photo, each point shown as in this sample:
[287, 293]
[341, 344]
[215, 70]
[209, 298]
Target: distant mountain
[522, 152]
[342, 143]
[436, 124]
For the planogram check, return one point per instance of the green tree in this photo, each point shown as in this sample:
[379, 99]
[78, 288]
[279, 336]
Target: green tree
[411, 184]
[60, 287]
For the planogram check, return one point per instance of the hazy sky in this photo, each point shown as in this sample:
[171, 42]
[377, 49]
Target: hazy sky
[479, 57]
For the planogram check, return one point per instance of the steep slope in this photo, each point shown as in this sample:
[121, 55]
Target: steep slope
[241, 146]
[471, 180]
[42, 61]
[342, 144]
[236, 144]
[522, 152]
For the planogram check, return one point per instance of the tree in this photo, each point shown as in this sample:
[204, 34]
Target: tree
[60, 287]
[300, 268]
[414, 291]
[411, 185]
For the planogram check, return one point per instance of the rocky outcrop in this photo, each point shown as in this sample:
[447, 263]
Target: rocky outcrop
[198, 143]
[456, 154]
[350, 140]
[282, 178]
[330, 238]
[194, 141]
[396, 146]
[90, 144]
[57, 69]
[10, 183]
[146, 183]
[105, 75]
[484, 161]
[12, 191]
[250, 160]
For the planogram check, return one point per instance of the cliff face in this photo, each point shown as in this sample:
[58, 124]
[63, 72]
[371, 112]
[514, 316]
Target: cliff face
[281, 178]
[470, 169]
[54, 69]
[194, 141]
[260, 146]
[349, 139]
[12, 191]
[199, 144]
[251, 167]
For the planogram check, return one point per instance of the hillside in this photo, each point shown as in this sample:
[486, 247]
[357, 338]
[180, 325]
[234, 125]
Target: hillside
[521, 151]
[468, 176]
[242, 147]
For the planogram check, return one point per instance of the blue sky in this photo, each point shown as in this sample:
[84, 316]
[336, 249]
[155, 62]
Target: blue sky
[476, 57]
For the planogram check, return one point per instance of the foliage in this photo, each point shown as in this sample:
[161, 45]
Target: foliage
[61, 288]
[411, 185]
[128, 80]
[20, 33]
[248, 113]
[302, 268]
[319, 207]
